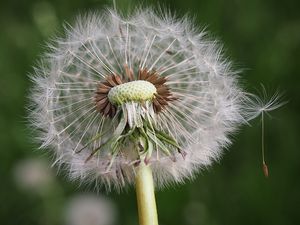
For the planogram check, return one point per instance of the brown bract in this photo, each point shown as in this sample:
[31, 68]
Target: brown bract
[161, 99]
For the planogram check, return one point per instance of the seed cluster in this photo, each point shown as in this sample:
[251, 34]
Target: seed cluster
[148, 85]
[137, 91]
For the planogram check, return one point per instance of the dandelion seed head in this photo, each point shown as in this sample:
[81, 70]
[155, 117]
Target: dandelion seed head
[117, 91]
[88, 209]
[33, 175]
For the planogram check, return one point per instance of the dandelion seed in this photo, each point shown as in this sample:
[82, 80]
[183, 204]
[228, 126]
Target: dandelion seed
[117, 92]
[260, 106]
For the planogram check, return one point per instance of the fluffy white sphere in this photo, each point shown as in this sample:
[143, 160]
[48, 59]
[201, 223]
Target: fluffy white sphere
[199, 101]
[88, 209]
[33, 175]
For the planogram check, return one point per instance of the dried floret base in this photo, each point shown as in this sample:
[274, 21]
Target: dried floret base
[145, 196]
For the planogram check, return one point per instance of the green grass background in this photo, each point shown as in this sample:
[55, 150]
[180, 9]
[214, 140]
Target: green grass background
[262, 37]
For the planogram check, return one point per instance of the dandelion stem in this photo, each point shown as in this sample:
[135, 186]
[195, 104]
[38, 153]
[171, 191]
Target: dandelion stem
[115, 5]
[145, 196]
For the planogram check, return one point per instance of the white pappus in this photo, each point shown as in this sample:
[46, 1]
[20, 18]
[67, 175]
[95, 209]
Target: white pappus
[119, 90]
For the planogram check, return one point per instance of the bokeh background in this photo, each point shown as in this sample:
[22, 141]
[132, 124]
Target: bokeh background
[262, 37]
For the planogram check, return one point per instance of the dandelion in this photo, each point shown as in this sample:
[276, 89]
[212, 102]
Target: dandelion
[88, 209]
[33, 175]
[121, 98]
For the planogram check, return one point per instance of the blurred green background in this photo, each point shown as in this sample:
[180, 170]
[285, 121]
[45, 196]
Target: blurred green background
[262, 37]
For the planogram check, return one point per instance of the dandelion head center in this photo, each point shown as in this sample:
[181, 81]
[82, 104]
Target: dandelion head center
[144, 85]
[137, 91]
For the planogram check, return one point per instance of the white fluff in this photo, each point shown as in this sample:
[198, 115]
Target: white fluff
[88, 209]
[211, 103]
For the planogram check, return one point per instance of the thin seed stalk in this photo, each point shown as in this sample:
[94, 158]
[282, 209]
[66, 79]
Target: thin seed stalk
[145, 196]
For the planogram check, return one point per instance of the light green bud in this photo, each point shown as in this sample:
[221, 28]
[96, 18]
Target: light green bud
[137, 91]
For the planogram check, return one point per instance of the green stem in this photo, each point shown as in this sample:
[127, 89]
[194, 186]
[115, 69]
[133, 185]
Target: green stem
[145, 196]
